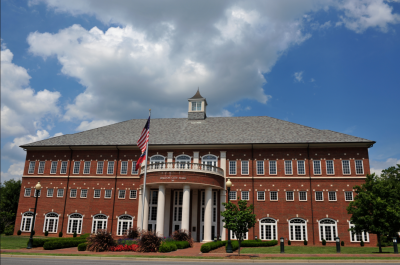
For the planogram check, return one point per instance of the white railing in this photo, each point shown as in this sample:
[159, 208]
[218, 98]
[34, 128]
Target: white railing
[183, 166]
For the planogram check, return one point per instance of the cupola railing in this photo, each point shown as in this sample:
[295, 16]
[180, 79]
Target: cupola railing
[183, 166]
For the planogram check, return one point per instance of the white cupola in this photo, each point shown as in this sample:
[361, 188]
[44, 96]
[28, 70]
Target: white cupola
[197, 107]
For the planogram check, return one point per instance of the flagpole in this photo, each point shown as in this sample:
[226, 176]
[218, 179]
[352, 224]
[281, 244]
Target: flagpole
[145, 175]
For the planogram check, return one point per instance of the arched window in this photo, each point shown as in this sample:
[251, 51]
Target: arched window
[124, 223]
[183, 161]
[26, 223]
[50, 223]
[327, 229]
[357, 237]
[298, 229]
[210, 160]
[99, 222]
[75, 223]
[157, 162]
[268, 229]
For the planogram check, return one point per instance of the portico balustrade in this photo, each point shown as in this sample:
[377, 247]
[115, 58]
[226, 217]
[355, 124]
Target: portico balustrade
[183, 166]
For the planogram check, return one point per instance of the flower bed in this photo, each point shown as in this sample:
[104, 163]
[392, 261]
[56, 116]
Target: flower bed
[132, 247]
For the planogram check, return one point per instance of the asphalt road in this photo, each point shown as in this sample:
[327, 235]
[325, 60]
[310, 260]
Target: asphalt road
[71, 261]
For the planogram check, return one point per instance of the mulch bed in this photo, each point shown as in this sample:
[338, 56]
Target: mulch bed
[220, 250]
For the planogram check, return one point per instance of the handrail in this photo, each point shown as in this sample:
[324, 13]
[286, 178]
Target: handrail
[183, 166]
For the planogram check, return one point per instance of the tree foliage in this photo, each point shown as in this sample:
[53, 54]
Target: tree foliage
[9, 197]
[376, 207]
[239, 219]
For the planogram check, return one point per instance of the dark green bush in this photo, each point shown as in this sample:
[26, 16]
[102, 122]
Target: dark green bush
[305, 242]
[63, 243]
[85, 235]
[75, 234]
[46, 233]
[342, 243]
[101, 241]
[39, 242]
[181, 244]
[289, 242]
[167, 247]
[207, 247]
[362, 243]
[385, 241]
[323, 242]
[19, 232]
[183, 235]
[60, 234]
[82, 246]
[9, 230]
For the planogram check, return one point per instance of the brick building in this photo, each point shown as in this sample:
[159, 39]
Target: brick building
[300, 179]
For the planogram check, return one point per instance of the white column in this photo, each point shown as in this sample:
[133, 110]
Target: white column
[223, 195]
[185, 208]
[167, 211]
[194, 214]
[139, 215]
[146, 209]
[160, 210]
[208, 215]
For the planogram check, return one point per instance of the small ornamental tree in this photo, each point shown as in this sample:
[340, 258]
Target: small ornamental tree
[239, 219]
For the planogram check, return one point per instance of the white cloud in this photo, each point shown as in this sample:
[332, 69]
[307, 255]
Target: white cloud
[248, 108]
[378, 166]
[298, 76]
[312, 80]
[326, 25]
[22, 109]
[15, 172]
[85, 125]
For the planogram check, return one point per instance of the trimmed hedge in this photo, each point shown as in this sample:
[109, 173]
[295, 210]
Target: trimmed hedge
[63, 243]
[39, 242]
[82, 246]
[167, 247]
[207, 247]
[181, 244]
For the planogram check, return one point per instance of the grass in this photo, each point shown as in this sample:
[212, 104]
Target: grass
[13, 242]
[314, 250]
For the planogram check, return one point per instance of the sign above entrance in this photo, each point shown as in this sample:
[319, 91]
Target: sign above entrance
[172, 178]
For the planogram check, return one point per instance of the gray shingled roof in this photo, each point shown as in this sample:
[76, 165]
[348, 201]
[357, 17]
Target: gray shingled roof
[218, 130]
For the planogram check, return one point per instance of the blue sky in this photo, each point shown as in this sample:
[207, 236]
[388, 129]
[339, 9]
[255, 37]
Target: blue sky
[69, 66]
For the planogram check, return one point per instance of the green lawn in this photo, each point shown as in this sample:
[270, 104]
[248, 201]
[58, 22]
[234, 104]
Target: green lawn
[13, 242]
[314, 250]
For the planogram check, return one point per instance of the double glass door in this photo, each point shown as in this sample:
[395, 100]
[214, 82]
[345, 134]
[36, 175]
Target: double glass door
[177, 210]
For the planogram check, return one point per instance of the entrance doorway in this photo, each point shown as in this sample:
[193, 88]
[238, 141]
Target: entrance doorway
[177, 211]
[153, 210]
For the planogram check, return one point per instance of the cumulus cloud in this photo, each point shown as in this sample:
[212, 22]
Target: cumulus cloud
[378, 166]
[86, 125]
[22, 109]
[15, 172]
[298, 76]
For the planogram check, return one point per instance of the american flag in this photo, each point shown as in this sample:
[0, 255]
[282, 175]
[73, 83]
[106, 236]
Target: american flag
[144, 137]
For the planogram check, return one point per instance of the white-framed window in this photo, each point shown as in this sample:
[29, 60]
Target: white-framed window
[232, 196]
[273, 195]
[330, 170]
[50, 223]
[317, 167]
[301, 168]
[110, 167]
[232, 167]
[31, 169]
[53, 169]
[272, 167]
[245, 195]
[124, 167]
[208, 161]
[75, 223]
[100, 166]
[196, 105]
[97, 193]
[319, 196]
[327, 229]
[27, 192]
[357, 237]
[50, 192]
[84, 193]
[26, 222]
[288, 167]
[63, 169]
[233, 237]
[245, 167]
[86, 167]
[77, 165]
[107, 194]
[183, 161]
[121, 194]
[134, 171]
[348, 195]
[36, 193]
[302, 195]
[332, 195]
[260, 195]
[72, 194]
[359, 167]
[133, 194]
[290, 196]
[260, 167]
[60, 193]
[157, 162]
[268, 229]
[346, 167]
[298, 229]
[41, 167]
[124, 223]
[99, 222]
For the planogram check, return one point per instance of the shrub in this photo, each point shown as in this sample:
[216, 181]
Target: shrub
[63, 243]
[46, 233]
[385, 241]
[85, 235]
[305, 242]
[323, 242]
[133, 247]
[289, 242]
[181, 244]
[39, 242]
[169, 246]
[133, 232]
[149, 242]
[362, 243]
[254, 243]
[60, 234]
[9, 230]
[100, 241]
[74, 235]
[19, 232]
[182, 235]
[82, 246]
[342, 243]
[207, 247]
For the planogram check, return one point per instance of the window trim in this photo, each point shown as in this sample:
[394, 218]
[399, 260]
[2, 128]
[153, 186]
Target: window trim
[268, 224]
[70, 193]
[79, 169]
[66, 167]
[70, 225]
[119, 228]
[362, 235]
[319, 229]
[362, 166]
[108, 167]
[263, 167]
[270, 196]
[46, 217]
[248, 195]
[276, 167]
[320, 168]
[86, 194]
[300, 196]
[33, 168]
[291, 167]
[333, 167]
[235, 167]
[301, 225]
[352, 196]
[58, 193]
[287, 195]
[119, 194]
[102, 168]
[22, 228]
[329, 199]
[126, 173]
[103, 220]
[257, 196]
[343, 168]
[315, 194]
[47, 193]
[130, 195]
[51, 168]
[84, 167]
[134, 172]
[304, 167]
[44, 166]
[94, 193]
[241, 169]
[235, 195]
[105, 193]
[25, 192]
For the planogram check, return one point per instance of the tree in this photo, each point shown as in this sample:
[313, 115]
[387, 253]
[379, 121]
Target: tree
[376, 207]
[9, 197]
[238, 219]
